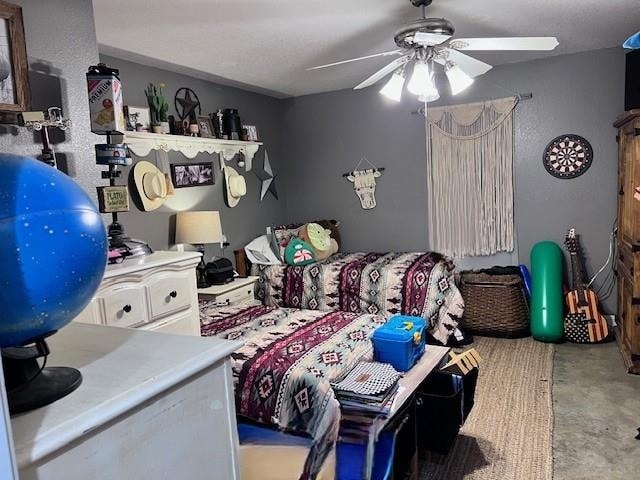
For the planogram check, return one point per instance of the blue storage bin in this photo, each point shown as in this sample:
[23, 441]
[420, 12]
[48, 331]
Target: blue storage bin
[400, 341]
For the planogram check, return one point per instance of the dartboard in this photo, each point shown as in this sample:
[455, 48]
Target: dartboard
[567, 156]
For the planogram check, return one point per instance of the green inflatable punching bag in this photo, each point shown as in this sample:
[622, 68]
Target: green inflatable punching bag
[547, 302]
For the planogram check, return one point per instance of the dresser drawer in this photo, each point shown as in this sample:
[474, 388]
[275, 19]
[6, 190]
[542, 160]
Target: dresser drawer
[237, 296]
[170, 292]
[90, 314]
[124, 306]
[179, 325]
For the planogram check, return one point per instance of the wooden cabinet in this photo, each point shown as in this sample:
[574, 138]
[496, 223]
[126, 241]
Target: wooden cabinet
[628, 263]
[157, 292]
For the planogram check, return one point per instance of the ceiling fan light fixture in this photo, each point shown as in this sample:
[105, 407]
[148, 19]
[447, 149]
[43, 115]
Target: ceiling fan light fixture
[393, 88]
[458, 79]
[430, 96]
[420, 82]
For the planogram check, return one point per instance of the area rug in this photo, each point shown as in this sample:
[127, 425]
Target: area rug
[508, 435]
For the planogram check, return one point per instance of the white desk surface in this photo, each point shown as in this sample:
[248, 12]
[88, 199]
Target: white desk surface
[121, 368]
[131, 265]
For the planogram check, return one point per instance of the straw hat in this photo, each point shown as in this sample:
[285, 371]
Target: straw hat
[235, 186]
[151, 185]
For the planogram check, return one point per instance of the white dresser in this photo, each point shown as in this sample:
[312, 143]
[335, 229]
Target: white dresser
[155, 292]
[150, 406]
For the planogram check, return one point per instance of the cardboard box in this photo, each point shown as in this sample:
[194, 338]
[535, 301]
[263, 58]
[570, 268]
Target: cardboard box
[105, 104]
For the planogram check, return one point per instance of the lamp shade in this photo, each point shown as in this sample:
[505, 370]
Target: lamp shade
[198, 227]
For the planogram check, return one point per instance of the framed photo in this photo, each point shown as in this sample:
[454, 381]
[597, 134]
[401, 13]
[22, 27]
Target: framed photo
[15, 95]
[192, 174]
[206, 127]
[138, 116]
[252, 133]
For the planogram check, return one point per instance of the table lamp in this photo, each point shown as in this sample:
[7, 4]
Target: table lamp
[198, 229]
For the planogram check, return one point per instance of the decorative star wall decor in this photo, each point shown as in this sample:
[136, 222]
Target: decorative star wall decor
[268, 179]
[186, 105]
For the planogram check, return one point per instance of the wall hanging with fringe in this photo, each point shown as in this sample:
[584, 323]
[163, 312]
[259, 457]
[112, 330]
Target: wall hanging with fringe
[470, 177]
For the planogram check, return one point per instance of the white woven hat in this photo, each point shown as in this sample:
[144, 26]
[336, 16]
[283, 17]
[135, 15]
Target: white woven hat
[151, 185]
[235, 186]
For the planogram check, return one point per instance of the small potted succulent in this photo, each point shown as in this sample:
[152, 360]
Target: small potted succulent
[159, 107]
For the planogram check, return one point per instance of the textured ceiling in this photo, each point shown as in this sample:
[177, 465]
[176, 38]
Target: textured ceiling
[266, 45]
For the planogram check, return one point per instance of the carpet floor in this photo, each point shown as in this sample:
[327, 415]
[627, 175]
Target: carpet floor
[508, 435]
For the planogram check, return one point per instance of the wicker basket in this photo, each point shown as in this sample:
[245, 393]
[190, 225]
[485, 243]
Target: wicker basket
[495, 304]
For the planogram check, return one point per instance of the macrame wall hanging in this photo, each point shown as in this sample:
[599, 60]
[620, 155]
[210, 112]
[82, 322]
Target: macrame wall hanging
[364, 183]
[470, 177]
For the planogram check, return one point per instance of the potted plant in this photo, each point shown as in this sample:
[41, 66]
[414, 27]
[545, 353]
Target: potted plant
[159, 107]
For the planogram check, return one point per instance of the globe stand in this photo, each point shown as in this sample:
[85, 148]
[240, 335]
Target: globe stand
[29, 386]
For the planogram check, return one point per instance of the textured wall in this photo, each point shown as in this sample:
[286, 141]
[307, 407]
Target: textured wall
[61, 44]
[241, 223]
[579, 93]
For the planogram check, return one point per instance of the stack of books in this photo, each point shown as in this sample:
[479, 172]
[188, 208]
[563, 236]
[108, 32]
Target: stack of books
[365, 394]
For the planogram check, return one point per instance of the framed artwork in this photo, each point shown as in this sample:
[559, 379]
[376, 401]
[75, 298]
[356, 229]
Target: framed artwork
[15, 95]
[206, 127]
[252, 133]
[192, 174]
[138, 116]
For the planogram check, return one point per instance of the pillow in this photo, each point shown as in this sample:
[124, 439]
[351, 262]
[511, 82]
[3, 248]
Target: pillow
[335, 232]
[319, 238]
[259, 251]
[282, 236]
[299, 253]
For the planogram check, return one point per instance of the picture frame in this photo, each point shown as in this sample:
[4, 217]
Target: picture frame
[192, 174]
[15, 94]
[206, 127]
[142, 114]
[252, 133]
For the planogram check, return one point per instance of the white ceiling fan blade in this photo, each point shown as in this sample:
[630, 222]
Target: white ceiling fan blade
[505, 43]
[469, 65]
[342, 62]
[384, 71]
[427, 38]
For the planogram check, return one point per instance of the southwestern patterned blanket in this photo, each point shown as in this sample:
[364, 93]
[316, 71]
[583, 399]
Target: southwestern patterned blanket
[419, 284]
[282, 374]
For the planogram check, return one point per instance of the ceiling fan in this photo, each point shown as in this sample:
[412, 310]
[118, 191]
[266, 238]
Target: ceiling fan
[426, 41]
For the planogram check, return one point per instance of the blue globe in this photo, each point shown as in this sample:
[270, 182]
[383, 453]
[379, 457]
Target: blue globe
[53, 250]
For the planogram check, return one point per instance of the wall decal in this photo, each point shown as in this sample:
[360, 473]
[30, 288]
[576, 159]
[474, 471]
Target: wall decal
[266, 176]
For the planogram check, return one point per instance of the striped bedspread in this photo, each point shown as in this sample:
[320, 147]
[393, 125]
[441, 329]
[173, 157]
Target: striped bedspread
[419, 284]
[282, 373]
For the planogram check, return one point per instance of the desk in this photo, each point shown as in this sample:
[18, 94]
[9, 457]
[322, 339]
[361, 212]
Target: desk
[408, 384]
[151, 406]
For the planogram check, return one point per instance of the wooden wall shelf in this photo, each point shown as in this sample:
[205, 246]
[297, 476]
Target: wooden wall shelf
[142, 143]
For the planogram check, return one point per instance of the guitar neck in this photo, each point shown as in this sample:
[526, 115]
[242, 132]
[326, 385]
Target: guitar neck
[577, 270]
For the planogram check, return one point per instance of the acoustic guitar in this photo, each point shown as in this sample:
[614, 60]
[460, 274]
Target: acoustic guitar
[584, 323]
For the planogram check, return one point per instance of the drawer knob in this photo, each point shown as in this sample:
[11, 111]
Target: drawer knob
[126, 308]
[173, 294]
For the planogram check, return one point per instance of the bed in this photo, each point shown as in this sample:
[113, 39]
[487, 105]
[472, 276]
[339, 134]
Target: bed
[414, 283]
[282, 373]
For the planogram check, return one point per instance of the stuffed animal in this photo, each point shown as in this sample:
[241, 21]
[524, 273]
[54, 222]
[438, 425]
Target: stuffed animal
[299, 253]
[320, 239]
